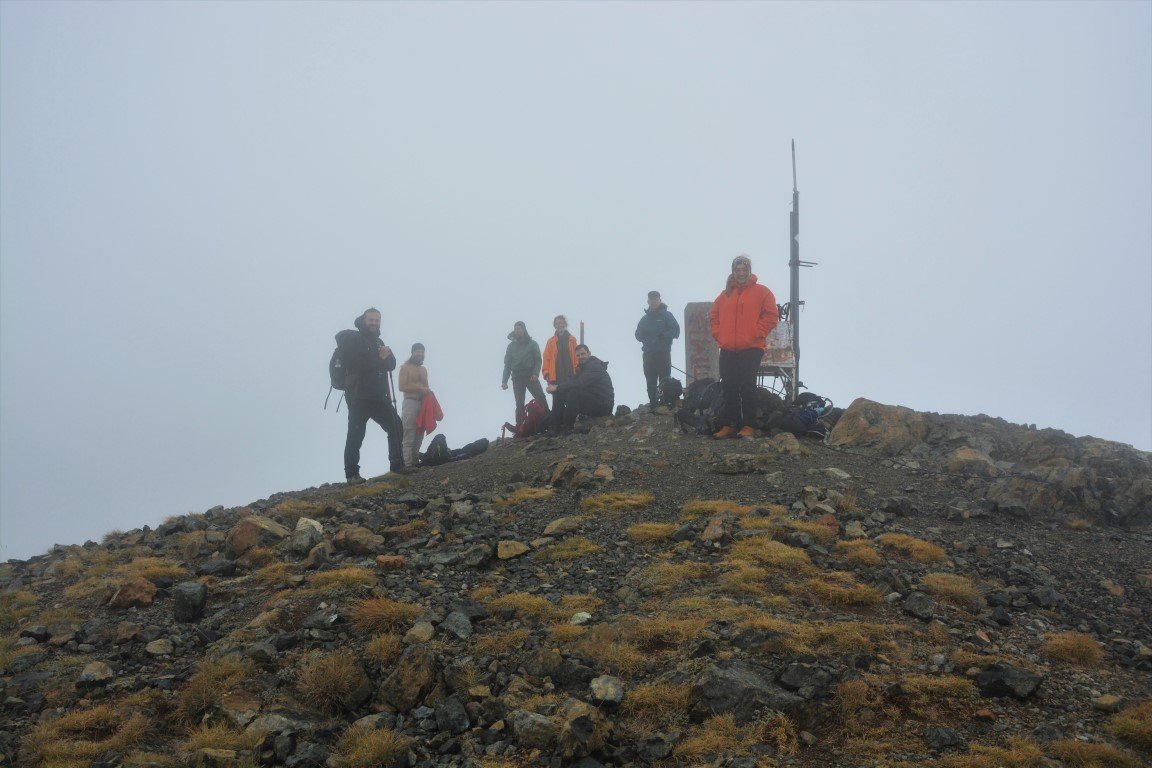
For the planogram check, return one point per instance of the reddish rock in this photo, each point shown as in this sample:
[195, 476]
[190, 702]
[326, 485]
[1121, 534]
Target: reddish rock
[357, 540]
[390, 562]
[253, 531]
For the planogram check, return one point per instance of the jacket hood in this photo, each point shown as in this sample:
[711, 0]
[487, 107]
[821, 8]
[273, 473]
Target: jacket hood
[662, 308]
[512, 336]
[732, 283]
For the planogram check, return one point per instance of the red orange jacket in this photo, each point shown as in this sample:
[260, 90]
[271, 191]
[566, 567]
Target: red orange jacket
[743, 316]
[548, 365]
[429, 414]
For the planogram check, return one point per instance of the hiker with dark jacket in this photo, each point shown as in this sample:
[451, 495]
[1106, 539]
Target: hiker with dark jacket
[522, 365]
[655, 332]
[367, 361]
[588, 391]
[742, 316]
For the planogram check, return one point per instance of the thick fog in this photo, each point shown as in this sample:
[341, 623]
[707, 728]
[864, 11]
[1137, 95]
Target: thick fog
[195, 197]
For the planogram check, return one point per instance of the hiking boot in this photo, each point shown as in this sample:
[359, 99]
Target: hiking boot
[355, 480]
[401, 469]
[725, 432]
[746, 432]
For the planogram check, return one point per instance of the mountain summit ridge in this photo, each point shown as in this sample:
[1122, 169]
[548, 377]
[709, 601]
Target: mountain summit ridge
[917, 589]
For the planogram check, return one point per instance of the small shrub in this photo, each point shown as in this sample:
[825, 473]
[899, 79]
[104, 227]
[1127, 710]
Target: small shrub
[1133, 725]
[153, 569]
[952, 588]
[846, 502]
[77, 738]
[664, 632]
[327, 681]
[565, 634]
[500, 643]
[345, 578]
[616, 502]
[1073, 648]
[570, 604]
[292, 510]
[384, 649]
[383, 614]
[769, 553]
[258, 557]
[647, 533]
[1077, 523]
[569, 549]
[911, 548]
[858, 552]
[720, 735]
[275, 575]
[607, 644]
[1017, 753]
[363, 747]
[219, 736]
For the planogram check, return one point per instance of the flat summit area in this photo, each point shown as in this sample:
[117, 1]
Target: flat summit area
[914, 590]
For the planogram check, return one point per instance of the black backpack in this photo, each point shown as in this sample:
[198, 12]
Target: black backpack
[437, 453]
[669, 390]
[703, 405]
[807, 416]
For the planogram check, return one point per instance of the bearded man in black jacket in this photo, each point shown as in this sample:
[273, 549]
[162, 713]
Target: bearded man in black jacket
[588, 391]
[367, 362]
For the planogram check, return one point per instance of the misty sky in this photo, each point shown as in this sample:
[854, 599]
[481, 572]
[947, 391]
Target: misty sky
[195, 197]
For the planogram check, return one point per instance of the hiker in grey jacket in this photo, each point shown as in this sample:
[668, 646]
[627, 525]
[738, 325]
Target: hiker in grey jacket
[522, 365]
[655, 331]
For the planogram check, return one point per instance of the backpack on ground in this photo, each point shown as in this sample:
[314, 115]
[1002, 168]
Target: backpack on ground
[437, 452]
[703, 406]
[474, 448]
[808, 416]
[669, 390]
[533, 419]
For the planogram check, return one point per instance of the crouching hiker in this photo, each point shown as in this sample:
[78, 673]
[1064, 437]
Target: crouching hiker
[413, 382]
[367, 362]
[588, 392]
[522, 365]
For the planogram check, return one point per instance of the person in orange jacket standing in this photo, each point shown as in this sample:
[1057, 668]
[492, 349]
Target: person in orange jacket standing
[742, 316]
[559, 358]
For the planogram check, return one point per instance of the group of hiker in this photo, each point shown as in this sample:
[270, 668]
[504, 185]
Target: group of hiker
[741, 318]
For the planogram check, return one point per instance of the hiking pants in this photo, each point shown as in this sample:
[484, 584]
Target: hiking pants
[738, 381]
[521, 383]
[569, 404]
[381, 412]
[657, 365]
[412, 436]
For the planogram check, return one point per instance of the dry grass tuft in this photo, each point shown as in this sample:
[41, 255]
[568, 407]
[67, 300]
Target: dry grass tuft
[1017, 753]
[568, 549]
[219, 736]
[1073, 648]
[952, 588]
[383, 614]
[858, 552]
[327, 681]
[1077, 523]
[618, 501]
[500, 643]
[707, 508]
[292, 510]
[743, 581]
[525, 606]
[663, 632]
[610, 646]
[15, 607]
[566, 634]
[646, 533]
[384, 649]
[721, 736]
[349, 577]
[1133, 725]
[213, 679]
[275, 575]
[1080, 754]
[766, 552]
[820, 533]
[368, 489]
[521, 495]
[362, 747]
[841, 588]
[912, 548]
[846, 502]
[570, 604]
[661, 578]
[77, 738]
[654, 707]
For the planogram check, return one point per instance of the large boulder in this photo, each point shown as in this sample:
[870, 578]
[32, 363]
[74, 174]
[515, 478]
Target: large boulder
[253, 531]
[886, 429]
[741, 689]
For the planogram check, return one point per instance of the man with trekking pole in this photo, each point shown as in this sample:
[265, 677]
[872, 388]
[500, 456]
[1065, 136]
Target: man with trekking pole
[368, 363]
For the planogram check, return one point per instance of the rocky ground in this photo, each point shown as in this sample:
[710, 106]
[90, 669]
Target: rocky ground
[916, 590]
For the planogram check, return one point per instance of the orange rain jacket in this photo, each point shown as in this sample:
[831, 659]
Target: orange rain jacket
[548, 364]
[743, 316]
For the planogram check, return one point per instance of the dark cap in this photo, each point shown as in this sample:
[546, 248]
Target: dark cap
[653, 294]
[417, 346]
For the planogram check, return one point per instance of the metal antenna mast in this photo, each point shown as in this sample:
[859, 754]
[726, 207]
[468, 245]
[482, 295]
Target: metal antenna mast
[794, 265]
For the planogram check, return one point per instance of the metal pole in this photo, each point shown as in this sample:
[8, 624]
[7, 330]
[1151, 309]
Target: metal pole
[794, 269]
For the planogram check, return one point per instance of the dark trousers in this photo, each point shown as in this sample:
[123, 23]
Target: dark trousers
[381, 412]
[569, 404]
[519, 384]
[738, 380]
[657, 365]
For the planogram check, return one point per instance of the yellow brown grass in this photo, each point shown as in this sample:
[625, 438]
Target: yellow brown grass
[219, 736]
[663, 577]
[820, 533]
[521, 495]
[618, 501]
[652, 707]
[275, 575]
[858, 552]
[647, 533]
[720, 735]
[15, 606]
[366, 747]
[569, 549]
[348, 577]
[610, 646]
[213, 678]
[1016, 753]
[663, 632]
[769, 553]
[368, 489]
[77, 738]
[952, 588]
[525, 606]
[912, 548]
[383, 614]
[708, 507]
[499, 643]
[384, 649]
[841, 588]
[1080, 754]
[1073, 648]
[326, 680]
[1133, 726]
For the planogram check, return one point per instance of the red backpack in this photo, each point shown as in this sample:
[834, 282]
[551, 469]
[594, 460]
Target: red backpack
[532, 419]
